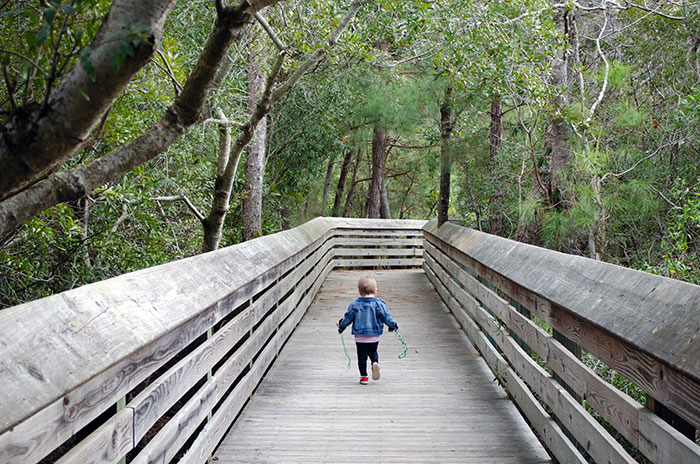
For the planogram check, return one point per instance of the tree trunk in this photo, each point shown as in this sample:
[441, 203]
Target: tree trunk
[446, 126]
[374, 196]
[255, 158]
[37, 139]
[557, 132]
[186, 110]
[495, 136]
[284, 216]
[213, 224]
[353, 184]
[327, 185]
[385, 210]
[342, 178]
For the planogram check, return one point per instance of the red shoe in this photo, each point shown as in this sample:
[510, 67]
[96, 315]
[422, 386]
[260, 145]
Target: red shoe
[364, 380]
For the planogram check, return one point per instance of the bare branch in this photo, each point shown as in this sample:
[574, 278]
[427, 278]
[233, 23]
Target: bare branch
[28, 60]
[312, 60]
[168, 70]
[122, 218]
[265, 25]
[182, 197]
[607, 70]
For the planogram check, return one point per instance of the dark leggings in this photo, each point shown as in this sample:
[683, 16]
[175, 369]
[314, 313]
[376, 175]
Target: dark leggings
[365, 350]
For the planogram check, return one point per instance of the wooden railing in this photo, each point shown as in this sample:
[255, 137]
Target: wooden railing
[645, 327]
[157, 364]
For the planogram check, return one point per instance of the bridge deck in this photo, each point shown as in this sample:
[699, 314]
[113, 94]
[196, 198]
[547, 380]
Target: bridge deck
[439, 404]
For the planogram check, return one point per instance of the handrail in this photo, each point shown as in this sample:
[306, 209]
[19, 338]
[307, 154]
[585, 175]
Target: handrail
[643, 326]
[181, 346]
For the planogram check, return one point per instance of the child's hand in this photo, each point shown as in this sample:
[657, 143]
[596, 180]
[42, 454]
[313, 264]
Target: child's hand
[337, 324]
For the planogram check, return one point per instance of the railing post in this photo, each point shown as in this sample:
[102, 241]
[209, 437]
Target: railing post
[121, 404]
[210, 374]
[670, 417]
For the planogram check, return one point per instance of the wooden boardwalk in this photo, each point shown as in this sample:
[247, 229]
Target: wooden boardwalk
[439, 404]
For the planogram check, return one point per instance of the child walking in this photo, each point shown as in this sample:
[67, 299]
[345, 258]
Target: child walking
[368, 314]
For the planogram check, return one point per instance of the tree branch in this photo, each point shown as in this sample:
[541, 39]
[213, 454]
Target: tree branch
[35, 141]
[320, 53]
[168, 70]
[28, 60]
[182, 197]
[607, 71]
[186, 110]
[265, 25]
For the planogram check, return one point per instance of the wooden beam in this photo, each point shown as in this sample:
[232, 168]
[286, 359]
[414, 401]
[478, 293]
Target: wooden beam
[678, 390]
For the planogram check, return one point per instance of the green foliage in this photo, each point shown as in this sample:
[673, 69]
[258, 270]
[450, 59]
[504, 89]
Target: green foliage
[681, 242]
[630, 186]
[617, 74]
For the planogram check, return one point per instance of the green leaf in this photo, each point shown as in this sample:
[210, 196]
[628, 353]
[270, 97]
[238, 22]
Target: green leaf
[44, 33]
[50, 14]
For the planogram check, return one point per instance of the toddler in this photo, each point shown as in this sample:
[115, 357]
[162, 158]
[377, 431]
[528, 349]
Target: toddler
[368, 314]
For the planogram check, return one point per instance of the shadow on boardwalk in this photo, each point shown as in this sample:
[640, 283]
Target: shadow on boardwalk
[439, 404]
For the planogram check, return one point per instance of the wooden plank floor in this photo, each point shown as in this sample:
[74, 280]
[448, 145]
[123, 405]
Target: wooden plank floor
[439, 404]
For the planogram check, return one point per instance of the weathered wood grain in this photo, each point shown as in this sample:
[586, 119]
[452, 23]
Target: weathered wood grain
[595, 439]
[375, 242]
[113, 440]
[629, 417]
[111, 335]
[366, 262]
[168, 440]
[607, 295]
[207, 440]
[679, 389]
[616, 407]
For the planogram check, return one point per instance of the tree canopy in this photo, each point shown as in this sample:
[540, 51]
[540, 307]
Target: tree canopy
[571, 125]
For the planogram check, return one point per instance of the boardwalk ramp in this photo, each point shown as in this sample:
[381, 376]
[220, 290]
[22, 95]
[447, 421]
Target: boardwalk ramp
[440, 403]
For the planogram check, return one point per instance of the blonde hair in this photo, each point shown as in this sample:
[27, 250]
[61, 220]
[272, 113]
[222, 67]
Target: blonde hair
[367, 286]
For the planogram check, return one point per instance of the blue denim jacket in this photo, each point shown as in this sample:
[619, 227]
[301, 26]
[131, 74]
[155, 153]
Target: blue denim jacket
[368, 314]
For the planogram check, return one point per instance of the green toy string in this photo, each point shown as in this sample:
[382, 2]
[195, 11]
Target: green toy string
[405, 347]
[396, 332]
[342, 339]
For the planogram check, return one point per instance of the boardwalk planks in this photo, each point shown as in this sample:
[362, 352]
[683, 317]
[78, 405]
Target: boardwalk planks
[439, 404]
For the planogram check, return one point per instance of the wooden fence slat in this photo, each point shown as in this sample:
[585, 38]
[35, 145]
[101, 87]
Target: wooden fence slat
[634, 422]
[551, 434]
[213, 431]
[616, 407]
[377, 252]
[374, 242]
[47, 428]
[160, 395]
[378, 233]
[416, 262]
[664, 444]
[613, 405]
[657, 343]
[585, 429]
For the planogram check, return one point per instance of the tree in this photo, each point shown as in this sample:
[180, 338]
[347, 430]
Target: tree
[446, 126]
[59, 130]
